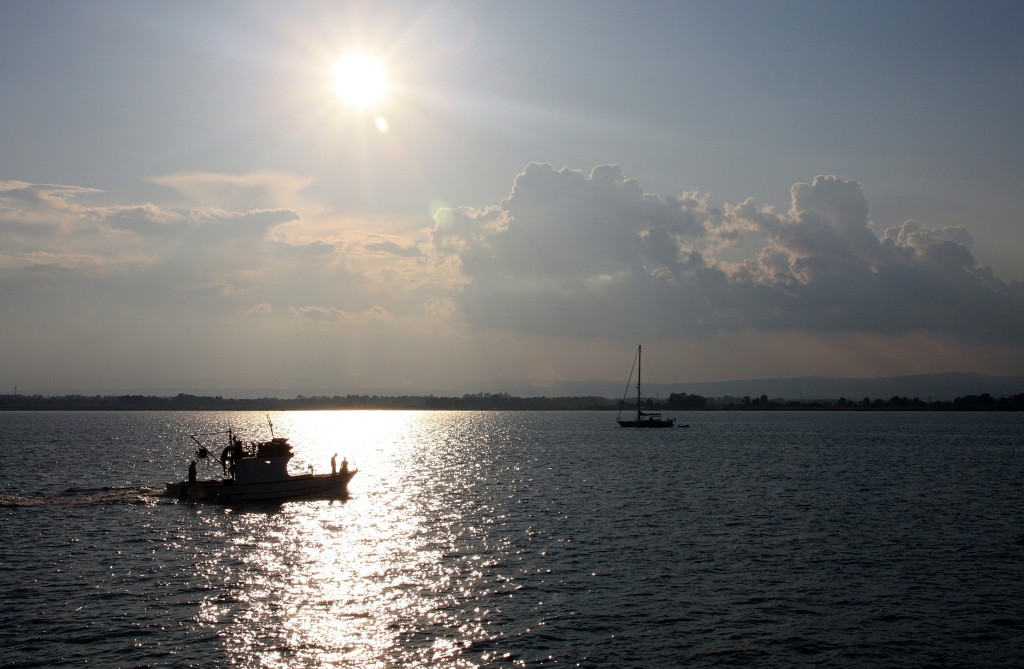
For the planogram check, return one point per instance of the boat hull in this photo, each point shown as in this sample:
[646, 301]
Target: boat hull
[650, 422]
[307, 486]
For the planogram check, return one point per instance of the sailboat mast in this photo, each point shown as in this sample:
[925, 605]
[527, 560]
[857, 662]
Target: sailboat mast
[639, 371]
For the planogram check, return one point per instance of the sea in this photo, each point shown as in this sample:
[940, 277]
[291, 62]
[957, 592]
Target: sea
[520, 539]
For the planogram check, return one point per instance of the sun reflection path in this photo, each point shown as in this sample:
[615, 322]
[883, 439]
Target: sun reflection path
[396, 575]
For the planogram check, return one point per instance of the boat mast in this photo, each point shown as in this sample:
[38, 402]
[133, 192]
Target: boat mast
[639, 371]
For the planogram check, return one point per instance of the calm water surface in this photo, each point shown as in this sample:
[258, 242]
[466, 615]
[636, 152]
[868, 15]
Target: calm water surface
[521, 540]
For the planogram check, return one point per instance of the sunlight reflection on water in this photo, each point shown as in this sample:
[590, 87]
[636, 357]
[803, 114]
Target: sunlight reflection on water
[513, 539]
[303, 583]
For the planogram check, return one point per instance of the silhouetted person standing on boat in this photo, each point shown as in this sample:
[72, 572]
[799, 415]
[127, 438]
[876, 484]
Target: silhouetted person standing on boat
[334, 464]
[192, 472]
[344, 465]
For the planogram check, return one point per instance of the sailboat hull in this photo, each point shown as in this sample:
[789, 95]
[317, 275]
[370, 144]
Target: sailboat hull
[648, 422]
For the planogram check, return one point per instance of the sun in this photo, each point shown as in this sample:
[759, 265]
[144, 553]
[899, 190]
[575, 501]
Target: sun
[360, 80]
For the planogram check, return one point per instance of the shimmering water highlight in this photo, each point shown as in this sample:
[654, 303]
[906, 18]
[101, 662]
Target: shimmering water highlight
[522, 540]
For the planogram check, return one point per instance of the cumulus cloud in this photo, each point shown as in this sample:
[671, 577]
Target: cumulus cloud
[559, 226]
[581, 261]
[574, 254]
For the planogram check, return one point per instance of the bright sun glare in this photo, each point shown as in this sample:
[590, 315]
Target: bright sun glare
[360, 79]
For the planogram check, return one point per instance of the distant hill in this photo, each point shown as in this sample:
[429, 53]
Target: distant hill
[926, 387]
[942, 392]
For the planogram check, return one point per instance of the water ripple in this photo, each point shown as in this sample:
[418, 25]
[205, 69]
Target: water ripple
[523, 540]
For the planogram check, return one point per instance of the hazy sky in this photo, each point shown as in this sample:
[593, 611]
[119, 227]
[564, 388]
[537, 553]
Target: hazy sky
[750, 189]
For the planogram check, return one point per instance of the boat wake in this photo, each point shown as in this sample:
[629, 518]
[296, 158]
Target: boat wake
[85, 497]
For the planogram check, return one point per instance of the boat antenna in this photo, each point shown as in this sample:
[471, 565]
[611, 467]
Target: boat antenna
[271, 424]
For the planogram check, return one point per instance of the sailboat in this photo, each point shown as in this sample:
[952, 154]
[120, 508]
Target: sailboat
[643, 418]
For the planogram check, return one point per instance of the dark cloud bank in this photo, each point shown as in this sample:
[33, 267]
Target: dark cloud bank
[570, 254]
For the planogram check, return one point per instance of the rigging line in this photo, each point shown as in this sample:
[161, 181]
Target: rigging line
[629, 383]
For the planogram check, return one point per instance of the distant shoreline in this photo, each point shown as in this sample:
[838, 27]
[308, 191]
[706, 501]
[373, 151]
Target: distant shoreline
[493, 402]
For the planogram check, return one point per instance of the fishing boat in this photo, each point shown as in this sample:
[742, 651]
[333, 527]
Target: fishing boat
[643, 418]
[258, 471]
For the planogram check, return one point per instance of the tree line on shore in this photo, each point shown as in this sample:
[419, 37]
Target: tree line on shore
[494, 402]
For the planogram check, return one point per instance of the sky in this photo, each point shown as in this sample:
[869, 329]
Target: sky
[188, 202]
